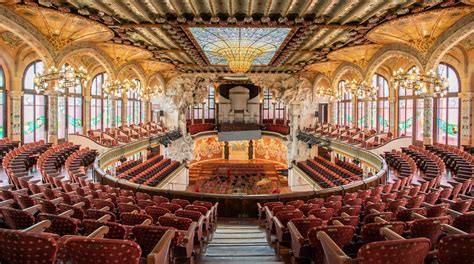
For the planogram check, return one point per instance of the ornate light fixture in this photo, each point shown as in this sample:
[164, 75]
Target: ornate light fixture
[65, 78]
[117, 88]
[421, 84]
[240, 58]
[148, 92]
[322, 91]
[363, 91]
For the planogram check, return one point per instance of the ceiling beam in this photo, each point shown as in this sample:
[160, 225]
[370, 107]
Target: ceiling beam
[319, 26]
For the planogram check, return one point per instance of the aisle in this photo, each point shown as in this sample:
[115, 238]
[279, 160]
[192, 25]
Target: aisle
[239, 241]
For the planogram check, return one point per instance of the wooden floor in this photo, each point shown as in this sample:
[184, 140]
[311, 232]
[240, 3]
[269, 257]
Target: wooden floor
[209, 170]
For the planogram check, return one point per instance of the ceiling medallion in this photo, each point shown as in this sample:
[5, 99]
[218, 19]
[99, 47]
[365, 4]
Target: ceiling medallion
[239, 47]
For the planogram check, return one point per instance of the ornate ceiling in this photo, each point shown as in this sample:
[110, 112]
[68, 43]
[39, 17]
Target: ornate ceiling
[159, 30]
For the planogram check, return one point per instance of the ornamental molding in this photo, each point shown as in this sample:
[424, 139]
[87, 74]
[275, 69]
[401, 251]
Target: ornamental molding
[137, 68]
[448, 39]
[343, 69]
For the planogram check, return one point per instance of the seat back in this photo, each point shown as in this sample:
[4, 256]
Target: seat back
[341, 235]
[465, 222]
[408, 251]
[180, 223]
[83, 250]
[286, 216]
[429, 228]
[27, 247]
[116, 230]
[371, 232]
[455, 249]
[134, 219]
[305, 224]
[61, 225]
[148, 236]
[323, 213]
[17, 219]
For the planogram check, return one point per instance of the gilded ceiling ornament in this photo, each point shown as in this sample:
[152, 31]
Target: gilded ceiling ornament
[10, 39]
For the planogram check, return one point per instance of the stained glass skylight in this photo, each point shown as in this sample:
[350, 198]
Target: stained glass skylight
[222, 45]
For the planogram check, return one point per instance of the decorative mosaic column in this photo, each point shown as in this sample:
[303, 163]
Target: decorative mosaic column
[124, 111]
[87, 113]
[393, 124]
[428, 120]
[354, 111]
[331, 113]
[466, 118]
[147, 111]
[367, 114]
[113, 115]
[53, 118]
[15, 99]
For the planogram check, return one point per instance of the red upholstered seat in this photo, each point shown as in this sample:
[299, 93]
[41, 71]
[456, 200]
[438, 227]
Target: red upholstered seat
[145, 203]
[305, 208]
[465, 222]
[406, 214]
[171, 206]
[61, 225]
[96, 214]
[17, 247]
[159, 199]
[371, 232]
[297, 203]
[127, 208]
[155, 212]
[83, 250]
[370, 218]
[179, 223]
[116, 230]
[341, 235]
[285, 216]
[437, 210]
[456, 249]
[282, 208]
[429, 228]
[143, 196]
[183, 203]
[323, 213]
[148, 236]
[203, 210]
[17, 219]
[208, 205]
[345, 220]
[134, 219]
[409, 251]
[193, 215]
[305, 224]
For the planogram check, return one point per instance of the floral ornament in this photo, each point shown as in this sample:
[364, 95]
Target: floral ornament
[451, 129]
[405, 124]
[31, 126]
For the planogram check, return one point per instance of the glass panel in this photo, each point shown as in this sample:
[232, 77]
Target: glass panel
[419, 119]
[61, 117]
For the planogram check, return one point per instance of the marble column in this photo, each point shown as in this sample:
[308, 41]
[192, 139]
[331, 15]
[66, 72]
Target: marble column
[53, 118]
[87, 114]
[466, 118]
[15, 121]
[331, 119]
[148, 112]
[428, 120]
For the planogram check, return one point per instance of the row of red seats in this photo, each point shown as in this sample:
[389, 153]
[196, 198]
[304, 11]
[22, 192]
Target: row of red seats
[316, 176]
[349, 166]
[322, 229]
[197, 128]
[335, 168]
[281, 129]
[125, 219]
[126, 165]
[128, 174]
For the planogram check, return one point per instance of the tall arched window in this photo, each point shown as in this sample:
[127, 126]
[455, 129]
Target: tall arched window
[34, 106]
[447, 113]
[210, 109]
[383, 106]
[345, 105]
[70, 111]
[405, 111]
[118, 112]
[3, 105]
[97, 114]
[267, 106]
[134, 105]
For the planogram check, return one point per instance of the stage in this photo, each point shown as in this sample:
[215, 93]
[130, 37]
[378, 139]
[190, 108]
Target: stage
[237, 177]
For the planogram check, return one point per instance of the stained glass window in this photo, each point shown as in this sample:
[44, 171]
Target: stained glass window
[345, 105]
[447, 118]
[134, 108]
[383, 105]
[267, 106]
[210, 109]
[3, 109]
[406, 117]
[97, 111]
[34, 106]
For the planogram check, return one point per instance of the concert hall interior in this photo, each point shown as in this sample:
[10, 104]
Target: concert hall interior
[237, 131]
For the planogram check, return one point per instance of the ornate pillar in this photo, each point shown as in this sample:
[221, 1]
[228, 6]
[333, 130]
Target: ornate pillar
[274, 112]
[367, 114]
[53, 118]
[203, 111]
[114, 113]
[191, 108]
[428, 120]
[124, 110]
[15, 121]
[392, 117]
[87, 114]
[354, 111]
[148, 109]
[466, 118]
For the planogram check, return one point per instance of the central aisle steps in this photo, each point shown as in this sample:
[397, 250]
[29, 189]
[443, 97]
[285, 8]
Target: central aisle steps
[239, 241]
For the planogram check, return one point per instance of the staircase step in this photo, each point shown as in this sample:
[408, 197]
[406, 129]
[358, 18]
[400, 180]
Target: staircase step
[250, 251]
[235, 260]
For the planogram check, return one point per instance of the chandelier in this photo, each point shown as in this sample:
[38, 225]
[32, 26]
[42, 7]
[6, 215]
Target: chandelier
[148, 92]
[240, 58]
[322, 91]
[117, 88]
[421, 84]
[363, 91]
[66, 77]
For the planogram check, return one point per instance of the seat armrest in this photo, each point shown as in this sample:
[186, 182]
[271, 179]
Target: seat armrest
[389, 234]
[279, 228]
[332, 251]
[295, 234]
[453, 213]
[33, 209]
[190, 233]
[38, 227]
[99, 232]
[160, 252]
[7, 203]
[67, 213]
[451, 230]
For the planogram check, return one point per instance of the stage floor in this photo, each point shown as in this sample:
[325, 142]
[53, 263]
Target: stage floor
[237, 177]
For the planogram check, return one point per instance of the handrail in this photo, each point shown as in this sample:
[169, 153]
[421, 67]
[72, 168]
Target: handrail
[364, 155]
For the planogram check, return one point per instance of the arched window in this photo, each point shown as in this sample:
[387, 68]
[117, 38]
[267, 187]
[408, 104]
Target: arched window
[210, 109]
[70, 111]
[383, 106]
[345, 105]
[34, 106]
[134, 105]
[98, 115]
[447, 113]
[3, 105]
[405, 111]
[267, 106]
